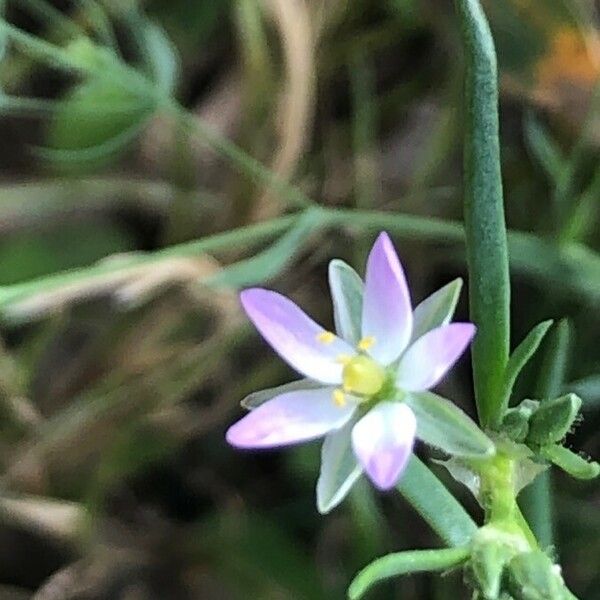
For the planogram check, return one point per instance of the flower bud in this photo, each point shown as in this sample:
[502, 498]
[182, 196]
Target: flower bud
[516, 420]
[553, 419]
[491, 551]
[533, 576]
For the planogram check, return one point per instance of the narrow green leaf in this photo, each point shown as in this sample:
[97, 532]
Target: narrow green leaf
[573, 464]
[270, 262]
[487, 252]
[160, 55]
[555, 360]
[441, 424]
[438, 507]
[339, 468]
[255, 399]
[347, 296]
[520, 357]
[14, 299]
[436, 310]
[401, 563]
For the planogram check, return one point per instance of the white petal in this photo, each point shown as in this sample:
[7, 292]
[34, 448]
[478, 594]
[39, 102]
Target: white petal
[295, 336]
[290, 418]
[383, 440]
[432, 355]
[387, 312]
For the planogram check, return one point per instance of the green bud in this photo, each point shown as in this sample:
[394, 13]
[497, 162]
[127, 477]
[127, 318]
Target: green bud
[553, 419]
[491, 551]
[533, 576]
[88, 54]
[516, 420]
[486, 569]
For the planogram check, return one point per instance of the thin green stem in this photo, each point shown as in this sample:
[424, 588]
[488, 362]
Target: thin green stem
[42, 50]
[245, 163]
[487, 250]
[400, 563]
[438, 507]
[530, 254]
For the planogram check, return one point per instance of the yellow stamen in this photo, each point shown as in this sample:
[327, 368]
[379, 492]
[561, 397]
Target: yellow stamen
[338, 397]
[343, 359]
[362, 375]
[326, 337]
[366, 343]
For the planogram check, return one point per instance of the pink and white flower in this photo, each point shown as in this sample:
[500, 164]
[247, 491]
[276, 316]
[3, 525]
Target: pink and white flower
[355, 386]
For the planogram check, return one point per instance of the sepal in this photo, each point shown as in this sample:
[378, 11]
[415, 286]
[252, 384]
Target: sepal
[441, 424]
[255, 399]
[436, 310]
[346, 288]
[339, 468]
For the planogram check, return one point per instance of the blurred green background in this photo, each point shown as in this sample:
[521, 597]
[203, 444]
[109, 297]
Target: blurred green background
[118, 379]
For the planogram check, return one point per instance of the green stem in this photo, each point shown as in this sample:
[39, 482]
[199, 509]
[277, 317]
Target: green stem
[400, 563]
[487, 251]
[497, 493]
[245, 163]
[438, 507]
[529, 253]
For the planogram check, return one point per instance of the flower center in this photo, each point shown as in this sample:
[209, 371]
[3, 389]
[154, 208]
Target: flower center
[362, 375]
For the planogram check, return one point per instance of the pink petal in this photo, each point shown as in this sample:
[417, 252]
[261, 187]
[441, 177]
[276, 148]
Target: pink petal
[432, 356]
[387, 312]
[294, 335]
[290, 418]
[383, 440]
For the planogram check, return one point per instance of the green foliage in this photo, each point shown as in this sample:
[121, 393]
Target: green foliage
[339, 468]
[487, 251]
[436, 310]
[441, 424]
[573, 464]
[401, 563]
[520, 357]
[553, 419]
[96, 398]
[98, 120]
[532, 576]
[346, 288]
[428, 496]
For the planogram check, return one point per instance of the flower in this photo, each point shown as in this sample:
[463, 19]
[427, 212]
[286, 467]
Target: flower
[355, 386]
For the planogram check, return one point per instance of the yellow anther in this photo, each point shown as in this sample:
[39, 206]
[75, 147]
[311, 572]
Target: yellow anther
[339, 398]
[366, 343]
[362, 375]
[326, 337]
[343, 359]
